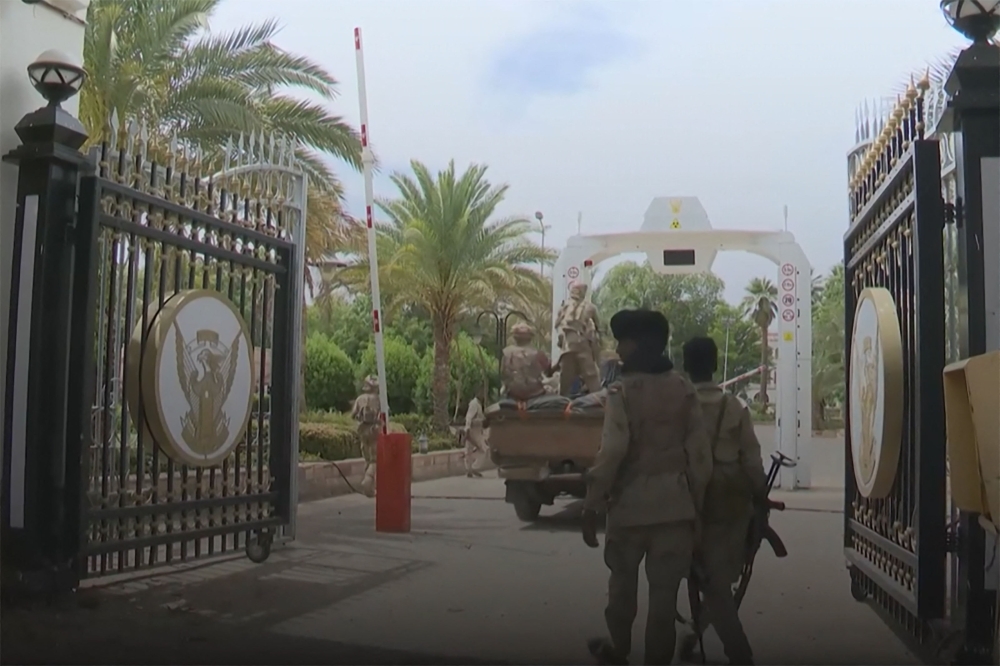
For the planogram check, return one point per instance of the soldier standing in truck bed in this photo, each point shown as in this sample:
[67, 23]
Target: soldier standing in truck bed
[576, 324]
[651, 472]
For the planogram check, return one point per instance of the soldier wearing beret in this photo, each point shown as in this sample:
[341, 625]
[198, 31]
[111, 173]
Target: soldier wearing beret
[650, 476]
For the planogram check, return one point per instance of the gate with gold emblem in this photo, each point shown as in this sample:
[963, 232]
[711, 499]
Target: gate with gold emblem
[895, 494]
[196, 294]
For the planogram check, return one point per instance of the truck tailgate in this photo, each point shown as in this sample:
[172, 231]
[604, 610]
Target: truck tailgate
[530, 438]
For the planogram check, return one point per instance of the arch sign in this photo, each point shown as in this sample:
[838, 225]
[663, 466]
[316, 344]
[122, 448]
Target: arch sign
[876, 392]
[192, 386]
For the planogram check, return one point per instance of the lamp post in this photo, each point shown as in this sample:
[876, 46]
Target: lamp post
[501, 321]
[44, 440]
[543, 227]
[973, 113]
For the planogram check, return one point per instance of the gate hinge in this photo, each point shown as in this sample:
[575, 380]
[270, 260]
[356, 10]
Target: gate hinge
[954, 213]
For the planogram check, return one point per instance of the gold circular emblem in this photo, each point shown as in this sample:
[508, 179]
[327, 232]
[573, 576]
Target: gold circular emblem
[194, 381]
[876, 392]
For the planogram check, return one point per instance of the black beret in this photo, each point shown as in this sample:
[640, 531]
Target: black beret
[639, 324]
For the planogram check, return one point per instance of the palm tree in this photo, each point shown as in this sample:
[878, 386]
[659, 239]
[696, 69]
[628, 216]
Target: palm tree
[153, 61]
[760, 304]
[442, 249]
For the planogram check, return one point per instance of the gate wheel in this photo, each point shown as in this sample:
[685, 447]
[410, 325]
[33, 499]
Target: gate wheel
[258, 547]
[857, 588]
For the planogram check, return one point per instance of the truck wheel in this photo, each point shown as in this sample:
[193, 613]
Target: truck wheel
[527, 509]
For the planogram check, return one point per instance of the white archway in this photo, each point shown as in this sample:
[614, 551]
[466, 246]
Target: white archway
[677, 238]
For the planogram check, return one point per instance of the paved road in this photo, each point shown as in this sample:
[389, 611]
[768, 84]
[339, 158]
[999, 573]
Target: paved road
[470, 583]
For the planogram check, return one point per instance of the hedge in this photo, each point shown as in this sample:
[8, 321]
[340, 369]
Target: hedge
[402, 367]
[329, 375]
[333, 441]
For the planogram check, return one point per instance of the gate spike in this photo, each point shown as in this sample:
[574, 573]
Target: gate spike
[271, 159]
[239, 151]
[229, 152]
[115, 125]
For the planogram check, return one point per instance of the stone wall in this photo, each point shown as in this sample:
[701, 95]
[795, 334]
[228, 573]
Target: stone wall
[319, 480]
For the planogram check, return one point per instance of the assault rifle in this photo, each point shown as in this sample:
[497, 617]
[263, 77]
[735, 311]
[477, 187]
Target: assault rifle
[758, 532]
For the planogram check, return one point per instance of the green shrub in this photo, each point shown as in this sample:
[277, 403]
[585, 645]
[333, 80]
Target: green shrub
[334, 441]
[329, 375]
[469, 361]
[325, 416]
[415, 423]
[402, 367]
[329, 441]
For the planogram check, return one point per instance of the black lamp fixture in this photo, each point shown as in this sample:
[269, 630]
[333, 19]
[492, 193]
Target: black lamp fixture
[57, 78]
[978, 20]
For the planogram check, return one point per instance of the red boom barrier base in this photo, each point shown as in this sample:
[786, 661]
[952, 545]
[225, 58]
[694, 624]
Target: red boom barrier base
[393, 476]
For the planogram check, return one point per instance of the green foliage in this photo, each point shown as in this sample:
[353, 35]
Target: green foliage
[744, 339]
[154, 61]
[402, 368]
[331, 439]
[349, 324]
[329, 375]
[469, 363]
[829, 378]
[691, 303]
[416, 424]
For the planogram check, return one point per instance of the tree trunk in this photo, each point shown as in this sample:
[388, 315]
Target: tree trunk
[442, 372]
[765, 373]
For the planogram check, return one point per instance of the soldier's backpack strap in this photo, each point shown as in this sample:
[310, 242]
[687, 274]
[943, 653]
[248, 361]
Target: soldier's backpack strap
[718, 422]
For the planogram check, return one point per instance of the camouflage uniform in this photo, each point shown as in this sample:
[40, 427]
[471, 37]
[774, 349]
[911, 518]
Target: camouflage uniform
[738, 477]
[366, 412]
[476, 448]
[576, 323]
[523, 368]
[652, 469]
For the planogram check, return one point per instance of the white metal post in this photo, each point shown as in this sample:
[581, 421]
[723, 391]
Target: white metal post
[367, 161]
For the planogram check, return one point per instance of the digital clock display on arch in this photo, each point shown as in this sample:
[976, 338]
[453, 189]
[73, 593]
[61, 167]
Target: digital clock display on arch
[678, 257]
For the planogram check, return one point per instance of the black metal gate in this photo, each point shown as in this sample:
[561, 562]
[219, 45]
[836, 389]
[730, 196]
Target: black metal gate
[896, 546]
[139, 221]
[160, 229]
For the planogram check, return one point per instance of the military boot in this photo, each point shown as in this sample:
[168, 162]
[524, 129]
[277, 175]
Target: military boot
[605, 653]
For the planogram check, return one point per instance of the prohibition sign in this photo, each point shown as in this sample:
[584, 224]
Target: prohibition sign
[788, 300]
[573, 272]
[788, 284]
[788, 315]
[787, 270]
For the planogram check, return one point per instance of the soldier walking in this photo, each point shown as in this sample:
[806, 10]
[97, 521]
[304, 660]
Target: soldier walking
[651, 472]
[366, 412]
[738, 483]
[476, 447]
[576, 323]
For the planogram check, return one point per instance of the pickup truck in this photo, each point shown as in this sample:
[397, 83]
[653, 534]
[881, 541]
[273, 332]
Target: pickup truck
[543, 447]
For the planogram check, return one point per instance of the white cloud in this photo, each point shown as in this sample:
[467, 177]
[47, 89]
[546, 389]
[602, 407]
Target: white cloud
[748, 105]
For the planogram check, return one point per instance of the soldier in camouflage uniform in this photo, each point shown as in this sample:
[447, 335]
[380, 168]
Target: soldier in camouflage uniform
[523, 368]
[366, 412]
[738, 483]
[576, 323]
[651, 472]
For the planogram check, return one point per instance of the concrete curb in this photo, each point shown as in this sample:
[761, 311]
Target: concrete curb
[320, 480]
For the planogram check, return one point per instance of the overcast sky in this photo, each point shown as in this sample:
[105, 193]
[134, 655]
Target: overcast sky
[599, 106]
